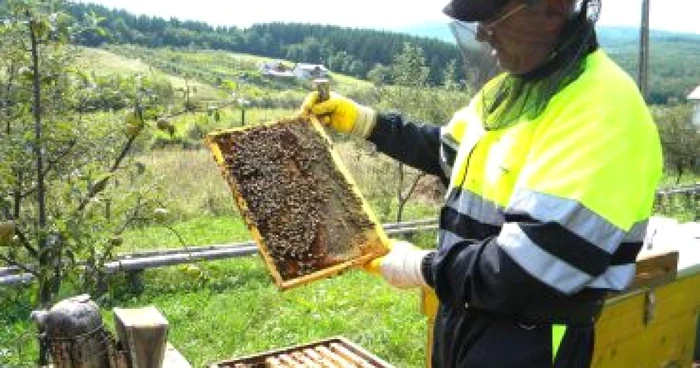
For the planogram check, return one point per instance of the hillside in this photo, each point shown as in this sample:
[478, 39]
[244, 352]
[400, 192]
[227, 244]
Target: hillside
[359, 52]
[104, 62]
[674, 60]
[210, 74]
[349, 51]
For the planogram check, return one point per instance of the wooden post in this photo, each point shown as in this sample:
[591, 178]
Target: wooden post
[644, 50]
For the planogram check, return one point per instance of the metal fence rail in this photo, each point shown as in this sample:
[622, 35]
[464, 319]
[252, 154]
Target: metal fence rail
[139, 261]
[688, 189]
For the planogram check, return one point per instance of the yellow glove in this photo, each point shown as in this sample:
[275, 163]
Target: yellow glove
[341, 113]
[402, 266]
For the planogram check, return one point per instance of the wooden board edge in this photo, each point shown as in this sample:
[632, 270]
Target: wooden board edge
[329, 272]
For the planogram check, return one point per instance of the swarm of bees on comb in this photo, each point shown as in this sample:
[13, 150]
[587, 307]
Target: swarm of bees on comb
[291, 192]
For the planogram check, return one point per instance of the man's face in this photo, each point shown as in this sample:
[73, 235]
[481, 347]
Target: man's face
[521, 37]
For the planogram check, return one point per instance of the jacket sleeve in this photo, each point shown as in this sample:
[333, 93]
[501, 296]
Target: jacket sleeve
[416, 145]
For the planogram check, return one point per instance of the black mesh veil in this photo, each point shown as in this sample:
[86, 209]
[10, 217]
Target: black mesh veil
[480, 64]
[517, 97]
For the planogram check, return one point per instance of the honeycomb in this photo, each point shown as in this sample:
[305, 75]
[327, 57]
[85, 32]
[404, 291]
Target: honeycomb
[298, 200]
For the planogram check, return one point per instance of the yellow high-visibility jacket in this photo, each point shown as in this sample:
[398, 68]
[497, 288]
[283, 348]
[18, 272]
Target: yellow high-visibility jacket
[544, 215]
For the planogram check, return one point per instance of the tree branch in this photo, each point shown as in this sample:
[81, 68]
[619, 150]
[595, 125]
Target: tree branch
[51, 164]
[38, 133]
[8, 89]
[96, 189]
[115, 166]
[133, 216]
[409, 193]
[399, 186]
[404, 197]
[26, 244]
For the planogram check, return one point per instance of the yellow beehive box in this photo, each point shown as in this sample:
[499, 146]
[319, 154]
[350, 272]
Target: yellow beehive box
[300, 203]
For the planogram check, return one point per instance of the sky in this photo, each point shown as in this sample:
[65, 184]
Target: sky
[672, 15]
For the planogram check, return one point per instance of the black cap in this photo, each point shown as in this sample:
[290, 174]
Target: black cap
[474, 10]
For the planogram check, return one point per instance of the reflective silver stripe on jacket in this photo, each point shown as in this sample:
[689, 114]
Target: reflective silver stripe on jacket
[555, 272]
[478, 208]
[540, 264]
[570, 214]
[545, 267]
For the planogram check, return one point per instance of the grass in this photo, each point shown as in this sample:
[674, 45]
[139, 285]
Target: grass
[103, 62]
[191, 182]
[223, 309]
[198, 231]
[672, 180]
[242, 313]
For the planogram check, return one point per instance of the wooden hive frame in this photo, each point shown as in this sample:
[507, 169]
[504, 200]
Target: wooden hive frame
[330, 353]
[376, 239]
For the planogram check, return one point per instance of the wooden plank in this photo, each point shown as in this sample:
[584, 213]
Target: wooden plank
[655, 269]
[143, 332]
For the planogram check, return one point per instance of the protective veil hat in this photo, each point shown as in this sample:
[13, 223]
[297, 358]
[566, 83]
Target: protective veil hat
[474, 10]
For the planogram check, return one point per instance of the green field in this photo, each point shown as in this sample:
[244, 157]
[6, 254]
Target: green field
[223, 309]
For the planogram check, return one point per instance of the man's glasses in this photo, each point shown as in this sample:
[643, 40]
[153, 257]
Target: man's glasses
[483, 27]
[490, 24]
[467, 33]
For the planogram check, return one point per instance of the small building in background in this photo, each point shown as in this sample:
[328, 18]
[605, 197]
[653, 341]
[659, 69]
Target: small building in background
[310, 71]
[275, 69]
[694, 98]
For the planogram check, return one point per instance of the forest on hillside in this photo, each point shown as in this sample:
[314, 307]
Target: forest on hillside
[349, 51]
[364, 53]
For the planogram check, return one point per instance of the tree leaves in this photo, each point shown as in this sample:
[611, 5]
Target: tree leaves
[76, 163]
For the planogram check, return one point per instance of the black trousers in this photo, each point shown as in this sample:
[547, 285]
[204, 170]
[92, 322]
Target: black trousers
[470, 340]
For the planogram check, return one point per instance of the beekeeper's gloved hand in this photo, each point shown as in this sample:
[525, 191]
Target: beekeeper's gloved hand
[341, 113]
[402, 266]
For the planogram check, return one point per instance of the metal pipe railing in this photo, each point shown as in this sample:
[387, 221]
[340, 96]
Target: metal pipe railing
[171, 257]
[167, 257]
[688, 189]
